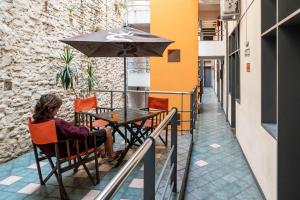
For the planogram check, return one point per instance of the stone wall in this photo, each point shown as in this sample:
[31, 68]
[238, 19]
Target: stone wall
[30, 50]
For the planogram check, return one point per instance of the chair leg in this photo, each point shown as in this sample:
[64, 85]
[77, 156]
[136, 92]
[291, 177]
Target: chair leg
[76, 168]
[38, 165]
[114, 136]
[97, 167]
[86, 169]
[62, 191]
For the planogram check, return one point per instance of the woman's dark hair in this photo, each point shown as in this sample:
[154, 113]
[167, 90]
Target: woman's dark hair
[45, 105]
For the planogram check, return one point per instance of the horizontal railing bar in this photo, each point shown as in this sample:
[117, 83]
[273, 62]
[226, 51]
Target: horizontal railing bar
[147, 92]
[167, 183]
[116, 182]
[163, 169]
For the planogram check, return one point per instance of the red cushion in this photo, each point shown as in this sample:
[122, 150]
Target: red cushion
[148, 123]
[98, 123]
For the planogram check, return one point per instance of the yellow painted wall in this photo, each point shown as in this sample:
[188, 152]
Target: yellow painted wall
[176, 20]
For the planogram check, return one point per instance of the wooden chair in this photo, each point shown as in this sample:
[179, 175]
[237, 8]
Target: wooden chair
[82, 108]
[160, 105]
[45, 134]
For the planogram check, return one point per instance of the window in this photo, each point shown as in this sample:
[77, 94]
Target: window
[173, 55]
[280, 89]
[269, 68]
[234, 64]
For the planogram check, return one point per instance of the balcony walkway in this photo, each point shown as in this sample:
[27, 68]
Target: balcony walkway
[19, 178]
[218, 169]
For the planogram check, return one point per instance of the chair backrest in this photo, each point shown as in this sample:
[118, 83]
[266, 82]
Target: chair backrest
[43, 133]
[85, 104]
[158, 103]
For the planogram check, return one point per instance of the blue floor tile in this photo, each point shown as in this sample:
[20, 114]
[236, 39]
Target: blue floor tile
[226, 176]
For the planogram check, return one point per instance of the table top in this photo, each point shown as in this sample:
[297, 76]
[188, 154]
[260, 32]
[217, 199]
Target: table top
[132, 115]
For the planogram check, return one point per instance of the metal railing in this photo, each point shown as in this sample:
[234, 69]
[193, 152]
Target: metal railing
[211, 30]
[146, 152]
[194, 104]
[193, 98]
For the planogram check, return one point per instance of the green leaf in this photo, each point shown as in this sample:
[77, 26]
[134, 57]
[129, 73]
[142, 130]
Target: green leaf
[67, 76]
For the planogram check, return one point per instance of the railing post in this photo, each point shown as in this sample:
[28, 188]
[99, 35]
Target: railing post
[174, 155]
[191, 115]
[111, 99]
[195, 106]
[149, 172]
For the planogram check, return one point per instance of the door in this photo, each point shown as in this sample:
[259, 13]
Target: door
[221, 80]
[207, 77]
[218, 80]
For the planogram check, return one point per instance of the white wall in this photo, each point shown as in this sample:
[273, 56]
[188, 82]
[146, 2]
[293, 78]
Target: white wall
[138, 12]
[212, 48]
[138, 72]
[258, 146]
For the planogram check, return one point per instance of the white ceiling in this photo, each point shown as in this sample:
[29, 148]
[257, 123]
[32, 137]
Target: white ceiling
[209, 1]
[209, 9]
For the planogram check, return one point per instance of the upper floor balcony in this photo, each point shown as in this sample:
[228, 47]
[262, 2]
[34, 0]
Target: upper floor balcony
[138, 14]
[211, 39]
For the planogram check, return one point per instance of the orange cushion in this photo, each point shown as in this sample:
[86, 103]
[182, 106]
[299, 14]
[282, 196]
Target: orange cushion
[148, 123]
[98, 123]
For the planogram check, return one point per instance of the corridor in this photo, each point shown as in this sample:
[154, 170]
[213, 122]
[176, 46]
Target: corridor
[218, 168]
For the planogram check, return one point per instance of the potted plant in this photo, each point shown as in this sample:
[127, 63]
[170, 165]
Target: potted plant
[90, 81]
[67, 76]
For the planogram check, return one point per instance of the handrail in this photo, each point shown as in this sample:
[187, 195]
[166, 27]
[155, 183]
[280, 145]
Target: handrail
[147, 91]
[120, 177]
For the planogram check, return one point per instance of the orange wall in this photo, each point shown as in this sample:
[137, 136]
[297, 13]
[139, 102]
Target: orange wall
[176, 20]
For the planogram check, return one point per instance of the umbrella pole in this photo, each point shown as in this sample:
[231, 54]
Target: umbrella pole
[125, 85]
[125, 94]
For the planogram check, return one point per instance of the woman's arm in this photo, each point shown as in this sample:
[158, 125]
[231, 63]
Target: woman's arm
[70, 131]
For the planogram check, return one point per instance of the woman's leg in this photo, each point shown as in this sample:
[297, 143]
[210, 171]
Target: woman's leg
[109, 143]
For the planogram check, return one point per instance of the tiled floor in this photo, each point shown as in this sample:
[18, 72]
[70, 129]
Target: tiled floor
[19, 179]
[218, 169]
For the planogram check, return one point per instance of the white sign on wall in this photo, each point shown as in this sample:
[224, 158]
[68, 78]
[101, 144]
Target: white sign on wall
[230, 9]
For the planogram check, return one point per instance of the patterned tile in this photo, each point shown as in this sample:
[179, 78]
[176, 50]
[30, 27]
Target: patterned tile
[10, 180]
[20, 180]
[29, 189]
[105, 167]
[158, 156]
[91, 195]
[81, 174]
[129, 154]
[215, 146]
[227, 176]
[137, 183]
[34, 166]
[201, 163]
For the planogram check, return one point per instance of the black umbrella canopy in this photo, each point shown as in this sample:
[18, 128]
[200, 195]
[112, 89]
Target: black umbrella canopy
[119, 42]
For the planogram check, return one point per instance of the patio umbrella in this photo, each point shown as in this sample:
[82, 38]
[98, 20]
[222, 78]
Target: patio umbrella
[120, 42]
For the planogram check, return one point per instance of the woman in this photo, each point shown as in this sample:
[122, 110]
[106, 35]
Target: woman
[46, 109]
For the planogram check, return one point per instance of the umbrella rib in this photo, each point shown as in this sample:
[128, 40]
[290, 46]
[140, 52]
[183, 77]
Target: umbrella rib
[152, 51]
